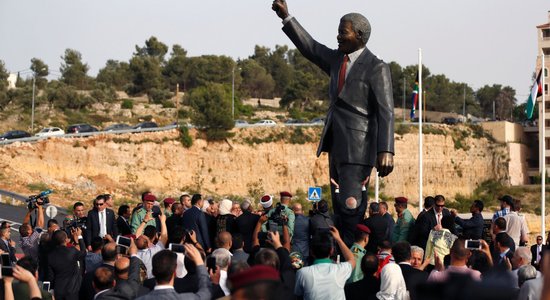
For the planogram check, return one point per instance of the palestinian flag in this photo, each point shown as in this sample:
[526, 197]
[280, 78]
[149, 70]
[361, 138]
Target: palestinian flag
[536, 91]
[414, 97]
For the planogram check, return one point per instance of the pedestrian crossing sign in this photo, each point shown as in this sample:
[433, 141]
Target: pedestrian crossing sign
[314, 193]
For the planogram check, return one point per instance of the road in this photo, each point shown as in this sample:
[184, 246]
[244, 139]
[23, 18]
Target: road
[15, 215]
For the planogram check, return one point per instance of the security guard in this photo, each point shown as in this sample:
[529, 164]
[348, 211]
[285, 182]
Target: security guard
[362, 233]
[286, 211]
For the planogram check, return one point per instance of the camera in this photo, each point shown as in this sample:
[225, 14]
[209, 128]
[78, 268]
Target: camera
[78, 223]
[277, 216]
[32, 201]
[472, 244]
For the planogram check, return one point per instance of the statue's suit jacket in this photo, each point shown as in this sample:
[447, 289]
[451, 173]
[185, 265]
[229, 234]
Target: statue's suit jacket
[359, 122]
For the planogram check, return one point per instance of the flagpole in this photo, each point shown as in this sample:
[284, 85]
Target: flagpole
[420, 171]
[376, 187]
[543, 158]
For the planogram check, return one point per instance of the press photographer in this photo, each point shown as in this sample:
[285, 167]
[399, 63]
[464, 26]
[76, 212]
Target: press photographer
[30, 236]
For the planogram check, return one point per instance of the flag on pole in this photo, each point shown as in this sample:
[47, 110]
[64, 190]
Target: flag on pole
[414, 97]
[536, 91]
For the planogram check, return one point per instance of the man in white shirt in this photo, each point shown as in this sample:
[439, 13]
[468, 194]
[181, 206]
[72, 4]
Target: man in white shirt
[325, 279]
[147, 242]
[536, 252]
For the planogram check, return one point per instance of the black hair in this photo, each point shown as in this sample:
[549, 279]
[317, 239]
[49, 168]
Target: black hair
[504, 240]
[267, 257]
[479, 205]
[104, 278]
[150, 231]
[122, 209]
[59, 237]
[195, 199]
[28, 263]
[429, 202]
[401, 251]
[96, 243]
[77, 204]
[108, 253]
[164, 265]
[321, 244]
[374, 207]
[500, 223]
[52, 222]
[369, 264]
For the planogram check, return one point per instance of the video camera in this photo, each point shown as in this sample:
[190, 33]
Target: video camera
[277, 216]
[77, 223]
[32, 201]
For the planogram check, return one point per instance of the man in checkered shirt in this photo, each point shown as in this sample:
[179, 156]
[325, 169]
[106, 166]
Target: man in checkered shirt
[506, 203]
[31, 236]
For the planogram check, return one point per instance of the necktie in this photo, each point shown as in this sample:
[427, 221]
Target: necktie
[342, 73]
[102, 227]
[439, 218]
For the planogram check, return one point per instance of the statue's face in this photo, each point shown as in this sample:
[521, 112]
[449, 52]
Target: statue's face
[348, 40]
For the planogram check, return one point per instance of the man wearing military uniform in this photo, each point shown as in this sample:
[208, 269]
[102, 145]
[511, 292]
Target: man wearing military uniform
[139, 215]
[405, 221]
[286, 211]
[358, 249]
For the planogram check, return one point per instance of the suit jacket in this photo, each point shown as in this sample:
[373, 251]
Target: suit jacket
[8, 249]
[194, 219]
[245, 225]
[63, 270]
[378, 232]
[87, 290]
[127, 289]
[360, 118]
[92, 224]
[471, 228]
[534, 253]
[413, 278]
[203, 292]
[424, 224]
[122, 226]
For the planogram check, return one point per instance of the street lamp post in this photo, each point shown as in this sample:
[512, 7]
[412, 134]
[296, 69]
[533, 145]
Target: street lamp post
[233, 93]
[33, 92]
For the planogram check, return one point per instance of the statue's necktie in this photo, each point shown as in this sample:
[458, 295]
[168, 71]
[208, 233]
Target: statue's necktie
[342, 73]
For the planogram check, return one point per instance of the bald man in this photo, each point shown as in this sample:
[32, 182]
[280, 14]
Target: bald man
[300, 241]
[109, 256]
[224, 240]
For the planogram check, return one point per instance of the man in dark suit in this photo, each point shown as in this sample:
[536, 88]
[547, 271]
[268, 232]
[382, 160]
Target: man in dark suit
[536, 252]
[6, 244]
[401, 252]
[108, 255]
[473, 227]
[245, 224]
[101, 222]
[358, 132]
[123, 220]
[378, 228]
[194, 219]
[164, 270]
[63, 269]
[430, 220]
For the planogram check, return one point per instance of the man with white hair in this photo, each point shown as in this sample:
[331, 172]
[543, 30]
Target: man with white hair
[522, 257]
[223, 261]
[417, 256]
[531, 286]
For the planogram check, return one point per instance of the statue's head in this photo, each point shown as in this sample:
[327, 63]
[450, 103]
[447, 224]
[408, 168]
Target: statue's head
[353, 32]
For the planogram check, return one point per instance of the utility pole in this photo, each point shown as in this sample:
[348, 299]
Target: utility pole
[177, 100]
[404, 109]
[464, 105]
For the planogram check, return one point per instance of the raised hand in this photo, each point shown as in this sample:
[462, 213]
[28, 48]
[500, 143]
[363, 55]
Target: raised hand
[280, 7]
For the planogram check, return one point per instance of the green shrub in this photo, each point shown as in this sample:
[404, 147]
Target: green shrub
[168, 104]
[159, 95]
[127, 104]
[402, 129]
[185, 138]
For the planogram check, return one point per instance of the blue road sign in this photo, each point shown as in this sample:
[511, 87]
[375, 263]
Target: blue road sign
[314, 193]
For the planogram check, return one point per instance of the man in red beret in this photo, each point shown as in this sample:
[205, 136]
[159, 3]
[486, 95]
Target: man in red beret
[139, 215]
[362, 233]
[286, 212]
[405, 220]
[168, 202]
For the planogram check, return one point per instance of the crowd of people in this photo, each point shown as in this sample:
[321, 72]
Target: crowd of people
[193, 248]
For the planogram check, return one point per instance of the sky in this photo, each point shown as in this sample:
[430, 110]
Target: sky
[474, 41]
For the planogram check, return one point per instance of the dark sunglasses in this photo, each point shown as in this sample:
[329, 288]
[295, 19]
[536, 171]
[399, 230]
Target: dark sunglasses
[440, 205]
[100, 204]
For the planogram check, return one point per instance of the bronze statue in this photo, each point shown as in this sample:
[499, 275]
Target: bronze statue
[358, 132]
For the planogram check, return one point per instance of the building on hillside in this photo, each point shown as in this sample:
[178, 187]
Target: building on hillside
[12, 80]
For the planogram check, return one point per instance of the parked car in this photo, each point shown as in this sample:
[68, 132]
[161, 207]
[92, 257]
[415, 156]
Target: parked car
[146, 125]
[318, 121]
[14, 134]
[265, 122]
[50, 131]
[117, 127]
[241, 123]
[295, 121]
[80, 128]
[449, 121]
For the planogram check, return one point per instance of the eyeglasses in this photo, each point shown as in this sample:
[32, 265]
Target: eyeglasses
[440, 205]
[100, 204]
